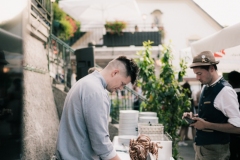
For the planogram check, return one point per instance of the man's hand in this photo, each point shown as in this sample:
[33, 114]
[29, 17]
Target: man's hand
[200, 123]
[206, 126]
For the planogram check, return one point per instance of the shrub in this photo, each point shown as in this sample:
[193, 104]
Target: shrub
[67, 27]
[164, 93]
[115, 27]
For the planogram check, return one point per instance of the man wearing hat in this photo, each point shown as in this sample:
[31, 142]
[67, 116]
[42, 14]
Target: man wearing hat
[218, 113]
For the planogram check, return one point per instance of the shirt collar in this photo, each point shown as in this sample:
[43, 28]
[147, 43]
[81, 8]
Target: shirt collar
[98, 75]
[214, 82]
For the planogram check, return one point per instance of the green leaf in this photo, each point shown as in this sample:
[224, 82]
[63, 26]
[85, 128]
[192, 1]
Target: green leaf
[164, 93]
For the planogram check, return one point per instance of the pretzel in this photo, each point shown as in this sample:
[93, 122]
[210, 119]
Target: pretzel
[139, 149]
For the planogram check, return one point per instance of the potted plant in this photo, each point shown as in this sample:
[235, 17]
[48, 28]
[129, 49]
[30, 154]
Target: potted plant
[64, 26]
[115, 27]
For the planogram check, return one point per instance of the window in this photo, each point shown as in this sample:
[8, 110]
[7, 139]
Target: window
[156, 18]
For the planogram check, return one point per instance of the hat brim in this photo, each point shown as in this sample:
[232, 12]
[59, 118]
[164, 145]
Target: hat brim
[202, 64]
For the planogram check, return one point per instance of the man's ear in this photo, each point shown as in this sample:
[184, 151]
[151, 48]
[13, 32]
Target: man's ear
[211, 68]
[114, 72]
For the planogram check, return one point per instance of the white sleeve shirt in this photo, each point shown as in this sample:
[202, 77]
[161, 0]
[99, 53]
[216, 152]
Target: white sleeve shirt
[226, 101]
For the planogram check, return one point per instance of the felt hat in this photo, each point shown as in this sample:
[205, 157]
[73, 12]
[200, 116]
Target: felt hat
[204, 58]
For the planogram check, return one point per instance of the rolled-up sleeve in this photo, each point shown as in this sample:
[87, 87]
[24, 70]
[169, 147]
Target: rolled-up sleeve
[96, 112]
[226, 101]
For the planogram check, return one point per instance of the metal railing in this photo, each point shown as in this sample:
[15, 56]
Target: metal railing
[124, 100]
[59, 61]
[75, 38]
[131, 39]
[97, 35]
[42, 8]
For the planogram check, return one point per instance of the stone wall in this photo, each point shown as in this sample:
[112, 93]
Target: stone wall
[40, 117]
[42, 103]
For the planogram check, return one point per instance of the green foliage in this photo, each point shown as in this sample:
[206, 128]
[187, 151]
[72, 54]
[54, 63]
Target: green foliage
[58, 13]
[164, 93]
[147, 69]
[183, 66]
[115, 27]
[78, 24]
[67, 30]
[115, 108]
[68, 26]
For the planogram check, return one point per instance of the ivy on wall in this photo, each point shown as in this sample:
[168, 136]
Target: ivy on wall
[164, 93]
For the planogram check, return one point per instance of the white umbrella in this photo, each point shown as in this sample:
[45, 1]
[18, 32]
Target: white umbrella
[73, 7]
[225, 45]
[101, 10]
[226, 38]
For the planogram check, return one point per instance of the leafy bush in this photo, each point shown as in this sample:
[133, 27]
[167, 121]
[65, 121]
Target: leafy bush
[115, 27]
[67, 30]
[164, 93]
[58, 13]
[68, 26]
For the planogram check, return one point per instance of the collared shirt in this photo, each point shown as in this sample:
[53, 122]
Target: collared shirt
[226, 101]
[83, 132]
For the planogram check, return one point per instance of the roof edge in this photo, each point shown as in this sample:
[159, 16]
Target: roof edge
[207, 14]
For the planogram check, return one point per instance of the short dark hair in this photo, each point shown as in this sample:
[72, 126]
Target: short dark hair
[131, 67]
[234, 78]
[206, 67]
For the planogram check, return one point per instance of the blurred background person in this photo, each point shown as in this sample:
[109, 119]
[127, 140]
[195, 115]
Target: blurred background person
[234, 80]
[184, 127]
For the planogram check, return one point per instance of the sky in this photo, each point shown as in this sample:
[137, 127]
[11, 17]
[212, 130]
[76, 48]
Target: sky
[225, 12]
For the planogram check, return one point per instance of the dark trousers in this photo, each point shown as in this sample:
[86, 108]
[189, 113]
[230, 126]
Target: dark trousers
[234, 147]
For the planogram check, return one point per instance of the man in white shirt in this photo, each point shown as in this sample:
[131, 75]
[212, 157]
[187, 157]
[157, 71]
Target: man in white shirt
[218, 113]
